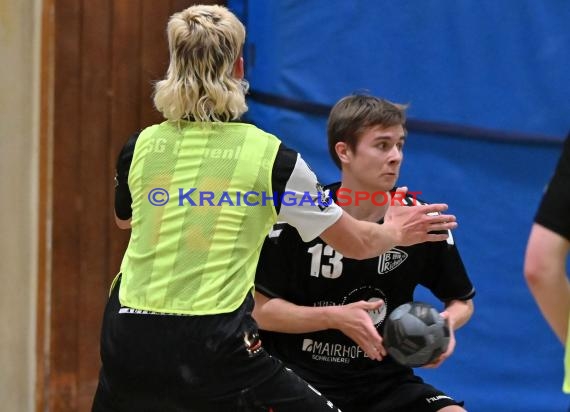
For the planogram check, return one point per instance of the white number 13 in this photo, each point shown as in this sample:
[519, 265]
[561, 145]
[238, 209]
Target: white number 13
[332, 269]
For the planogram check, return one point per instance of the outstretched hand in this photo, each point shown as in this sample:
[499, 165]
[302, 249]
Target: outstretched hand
[418, 223]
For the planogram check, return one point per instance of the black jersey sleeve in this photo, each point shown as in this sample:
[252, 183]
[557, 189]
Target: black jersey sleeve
[122, 193]
[554, 210]
[282, 169]
[446, 276]
[273, 277]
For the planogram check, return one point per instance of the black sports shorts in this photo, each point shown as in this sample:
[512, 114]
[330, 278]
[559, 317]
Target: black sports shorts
[406, 394]
[170, 363]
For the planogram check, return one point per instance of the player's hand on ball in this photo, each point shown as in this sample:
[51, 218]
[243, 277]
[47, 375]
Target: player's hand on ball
[354, 321]
[419, 223]
[450, 348]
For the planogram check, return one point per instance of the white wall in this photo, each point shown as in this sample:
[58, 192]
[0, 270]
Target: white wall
[19, 63]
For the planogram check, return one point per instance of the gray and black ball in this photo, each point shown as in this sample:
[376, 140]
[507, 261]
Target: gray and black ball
[415, 334]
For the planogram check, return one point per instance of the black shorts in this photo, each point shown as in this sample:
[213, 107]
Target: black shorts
[408, 394]
[169, 363]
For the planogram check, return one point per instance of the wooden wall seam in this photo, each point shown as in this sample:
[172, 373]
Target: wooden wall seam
[45, 171]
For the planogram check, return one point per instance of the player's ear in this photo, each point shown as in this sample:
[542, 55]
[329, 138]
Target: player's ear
[343, 152]
[239, 71]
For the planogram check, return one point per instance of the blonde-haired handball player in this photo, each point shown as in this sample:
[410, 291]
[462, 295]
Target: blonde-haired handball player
[177, 331]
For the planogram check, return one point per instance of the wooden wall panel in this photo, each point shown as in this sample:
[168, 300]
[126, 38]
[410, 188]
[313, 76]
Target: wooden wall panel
[124, 105]
[101, 60]
[154, 55]
[125, 68]
[67, 217]
[94, 190]
[179, 5]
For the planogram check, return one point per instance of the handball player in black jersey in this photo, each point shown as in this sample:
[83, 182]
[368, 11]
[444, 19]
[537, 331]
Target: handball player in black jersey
[547, 251]
[322, 314]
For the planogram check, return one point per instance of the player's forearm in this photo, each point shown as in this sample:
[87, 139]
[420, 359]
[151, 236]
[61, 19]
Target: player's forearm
[123, 223]
[460, 311]
[374, 239]
[403, 226]
[552, 295]
[545, 274]
[358, 239]
[279, 315]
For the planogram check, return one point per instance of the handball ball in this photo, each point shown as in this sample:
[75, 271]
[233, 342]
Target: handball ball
[415, 334]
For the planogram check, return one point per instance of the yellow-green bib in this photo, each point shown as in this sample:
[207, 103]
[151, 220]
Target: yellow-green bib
[187, 256]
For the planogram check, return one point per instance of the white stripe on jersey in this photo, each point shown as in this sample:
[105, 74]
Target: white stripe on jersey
[309, 218]
[275, 233]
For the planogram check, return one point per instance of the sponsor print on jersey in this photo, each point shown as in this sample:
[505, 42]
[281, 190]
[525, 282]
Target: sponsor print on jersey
[391, 260]
[437, 398]
[369, 294]
[332, 352]
[324, 198]
[323, 303]
[379, 314]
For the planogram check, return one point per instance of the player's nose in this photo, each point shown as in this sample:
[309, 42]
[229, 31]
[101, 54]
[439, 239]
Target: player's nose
[395, 156]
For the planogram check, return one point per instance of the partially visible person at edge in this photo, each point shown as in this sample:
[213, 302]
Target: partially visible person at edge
[177, 332]
[323, 314]
[547, 252]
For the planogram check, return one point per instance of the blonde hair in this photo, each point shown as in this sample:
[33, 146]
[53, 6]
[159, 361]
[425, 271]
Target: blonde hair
[204, 43]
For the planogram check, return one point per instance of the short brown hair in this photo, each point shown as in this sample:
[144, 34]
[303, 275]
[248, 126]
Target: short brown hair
[352, 114]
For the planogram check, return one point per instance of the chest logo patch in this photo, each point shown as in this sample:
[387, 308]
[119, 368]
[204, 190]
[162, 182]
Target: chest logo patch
[391, 260]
